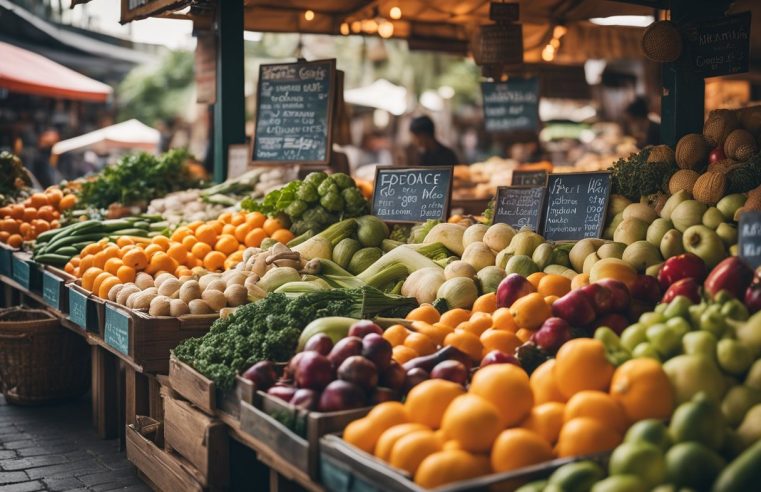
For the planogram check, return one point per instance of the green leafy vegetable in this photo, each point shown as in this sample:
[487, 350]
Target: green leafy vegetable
[633, 177]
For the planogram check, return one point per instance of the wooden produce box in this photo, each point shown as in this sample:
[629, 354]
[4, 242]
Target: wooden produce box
[303, 452]
[26, 272]
[148, 340]
[55, 289]
[203, 392]
[199, 439]
[349, 469]
[165, 471]
[83, 309]
[6, 252]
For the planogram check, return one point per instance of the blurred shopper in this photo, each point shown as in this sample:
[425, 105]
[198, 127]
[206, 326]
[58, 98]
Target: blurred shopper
[638, 124]
[431, 152]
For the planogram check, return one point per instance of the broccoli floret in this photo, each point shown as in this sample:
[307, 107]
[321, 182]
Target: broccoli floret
[296, 208]
[326, 187]
[356, 204]
[332, 201]
[315, 178]
[307, 193]
[344, 181]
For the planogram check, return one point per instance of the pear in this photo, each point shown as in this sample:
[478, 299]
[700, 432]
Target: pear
[524, 243]
[687, 214]
[671, 244]
[653, 270]
[630, 231]
[611, 250]
[750, 428]
[727, 233]
[673, 201]
[702, 241]
[712, 218]
[640, 211]
[543, 255]
[617, 204]
[736, 403]
[589, 262]
[657, 230]
[730, 204]
[581, 250]
[641, 255]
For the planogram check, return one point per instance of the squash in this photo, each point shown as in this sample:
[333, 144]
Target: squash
[720, 123]
[692, 151]
[345, 250]
[662, 42]
[372, 231]
[740, 145]
[362, 259]
[710, 187]
[684, 179]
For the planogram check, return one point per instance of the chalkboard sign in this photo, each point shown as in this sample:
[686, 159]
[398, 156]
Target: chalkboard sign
[21, 271]
[529, 178]
[720, 46]
[749, 243]
[53, 291]
[412, 194]
[576, 205]
[116, 330]
[294, 112]
[511, 105]
[519, 206]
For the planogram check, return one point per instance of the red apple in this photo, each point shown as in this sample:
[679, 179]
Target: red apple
[686, 265]
[553, 333]
[646, 288]
[716, 155]
[499, 357]
[614, 321]
[732, 275]
[600, 296]
[688, 287]
[575, 308]
[621, 296]
[753, 297]
[512, 288]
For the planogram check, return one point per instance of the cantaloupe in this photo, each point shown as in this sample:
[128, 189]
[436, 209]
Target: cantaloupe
[710, 188]
[684, 179]
[719, 124]
[662, 42]
[750, 119]
[692, 151]
[661, 153]
[740, 145]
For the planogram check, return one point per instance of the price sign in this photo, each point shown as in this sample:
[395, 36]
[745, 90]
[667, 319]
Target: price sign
[576, 205]
[116, 330]
[51, 290]
[21, 271]
[294, 112]
[529, 178]
[511, 105]
[720, 46]
[412, 194]
[749, 243]
[519, 207]
[78, 308]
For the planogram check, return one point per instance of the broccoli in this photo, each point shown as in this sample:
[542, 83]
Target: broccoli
[332, 201]
[315, 178]
[326, 187]
[307, 193]
[356, 204]
[296, 208]
[343, 181]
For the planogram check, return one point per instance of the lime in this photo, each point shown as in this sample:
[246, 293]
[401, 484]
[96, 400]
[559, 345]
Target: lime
[734, 356]
[738, 400]
[700, 343]
[693, 465]
[578, 476]
[639, 458]
[699, 420]
[651, 431]
[620, 483]
[633, 336]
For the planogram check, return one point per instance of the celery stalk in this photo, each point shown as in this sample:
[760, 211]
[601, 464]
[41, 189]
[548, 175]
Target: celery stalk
[404, 255]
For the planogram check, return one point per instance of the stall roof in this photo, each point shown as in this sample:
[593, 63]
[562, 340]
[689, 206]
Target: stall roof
[130, 134]
[29, 73]
[381, 94]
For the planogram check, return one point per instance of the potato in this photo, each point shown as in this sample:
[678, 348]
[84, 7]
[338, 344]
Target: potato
[199, 306]
[178, 307]
[114, 292]
[159, 306]
[169, 286]
[207, 279]
[186, 278]
[233, 277]
[236, 295]
[131, 299]
[214, 298]
[125, 292]
[144, 280]
[190, 290]
[143, 299]
[218, 285]
[163, 277]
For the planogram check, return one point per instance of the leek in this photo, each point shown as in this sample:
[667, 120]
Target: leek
[340, 278]
[339, 231]
[404, 255]
[434, 251]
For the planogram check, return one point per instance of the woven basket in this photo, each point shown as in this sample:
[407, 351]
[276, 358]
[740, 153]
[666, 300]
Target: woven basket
[39, 360]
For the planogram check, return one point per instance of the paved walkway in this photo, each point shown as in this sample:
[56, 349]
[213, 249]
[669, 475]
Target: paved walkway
[54, 448]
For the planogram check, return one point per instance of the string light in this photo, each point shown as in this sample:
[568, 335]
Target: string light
[309, 15]
[548, 53]
[344, 29]
[395, 13]
[370, 26]
[356, 26]
[386, 29]
[559, 31]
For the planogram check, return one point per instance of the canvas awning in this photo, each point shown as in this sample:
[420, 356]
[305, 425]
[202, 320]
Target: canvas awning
[381, 94]
[29, 73]
[130, 134]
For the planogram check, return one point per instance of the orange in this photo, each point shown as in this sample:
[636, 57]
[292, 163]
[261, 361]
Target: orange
[364, 433]
[225, 217]
[67, 202]
[479, 323]
[389, 437]
[508, 388]
[152, 249]
[99, 280]
[395, 335]
[218, 226]
[207, 234]
[162, 241]
[402, 354]
[599, 406]
[535, 278]
[450, 465]
[502, 319]
[193, 226]
[241, 231]
[427, 402]
[465, 342]
[126, 274]
[519, 448]
[226, 244]
[106, 286]
[255, 219]
[546, 420]
[228, 229]
[271, 225]
[524, 334]
[255, 237]
[238, 219]
[68, 268]
[189, 242]
[214, 261]
[436, 333]
[544, 385]
[474, 422]
[550, 300]
[85, 262]
[530, 311]
[161, 262]
[425, 312]
[282, 236]
[135, 258]
[554, 285]
[410, 450]
[88, 278]
[643, 390]
[422, 344]
[200, 250]
[112, 265]
[579, 281]
[501, 340]
[15, 240]
[487, 303]
[583, 435]
[178, 251]
[582, 365]
[454, 317]
[181, 233]
[181, 271]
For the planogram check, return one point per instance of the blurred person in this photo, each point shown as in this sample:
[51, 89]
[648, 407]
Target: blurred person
[431, 152]
[638, 124]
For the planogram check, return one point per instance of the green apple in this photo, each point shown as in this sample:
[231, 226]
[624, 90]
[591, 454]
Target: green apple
[679, 325]
[734, 357]
[727, 233]
[705, 243]
[696, 311]
[712, 218]
[664, 340]
[735, 309]
[729, 205]
[678, 307]
[652, 431]
[640, 459]
[700, 343]
[713, 323]
[652, 318]
[661, 308]
[633, 336]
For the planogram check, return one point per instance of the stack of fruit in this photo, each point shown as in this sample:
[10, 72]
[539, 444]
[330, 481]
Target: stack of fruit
[39, 213]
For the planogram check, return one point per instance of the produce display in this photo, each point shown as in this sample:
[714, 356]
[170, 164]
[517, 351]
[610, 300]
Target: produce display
[15, 180]
[37, 214]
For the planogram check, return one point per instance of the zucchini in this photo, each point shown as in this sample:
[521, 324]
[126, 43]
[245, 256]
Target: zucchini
[344, 251]
[68, 251]
[362, 260]
[742, 474]
[53, 259]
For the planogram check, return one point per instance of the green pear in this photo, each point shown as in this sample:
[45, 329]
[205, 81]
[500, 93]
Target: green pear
[641, 212]
[673, 201]
[753, 378]
[580, 251]
[630, 231]
[705, 243]
[737, 402]
[687, 214]
[653, 270]
[641, 255]
[611, 250]
[617, 204]
[727, 233]
[750, 428]
[671, 244]
[729, 205]
[712, 217]
[657, 230]
[589, 262]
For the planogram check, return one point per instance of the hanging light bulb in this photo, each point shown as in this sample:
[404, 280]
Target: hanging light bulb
[370, 26]
[344, 29]
[559, 31]
[356, 26]
[395, 13]
[548, 53]
[309, 15]
[386, 29]
[555, 42]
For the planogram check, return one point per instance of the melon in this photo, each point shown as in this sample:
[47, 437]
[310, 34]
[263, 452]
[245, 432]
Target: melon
[719, 124]
[723, 166]
[692, 151]
[684, 179]
[740, 145]
[661, 153]
[710, 187]
[662, 42]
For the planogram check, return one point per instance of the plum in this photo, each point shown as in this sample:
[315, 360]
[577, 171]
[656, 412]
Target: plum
[414, 377]
[377, 349]
[305, 398]
[341, 395]
[360, 371]
[262, 374]
[320, 343]
[345, 348]
[393, 376]
[553, 333]
[451, 370]
[363, 328]
[499, 357]
[313, 371]
[282, 391]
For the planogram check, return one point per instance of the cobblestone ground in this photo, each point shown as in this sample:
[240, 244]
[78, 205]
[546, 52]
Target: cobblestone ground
[55, 448]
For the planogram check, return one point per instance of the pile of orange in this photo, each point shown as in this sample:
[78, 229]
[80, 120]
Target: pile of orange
[213, 246]
[40, 212]
[574, 405]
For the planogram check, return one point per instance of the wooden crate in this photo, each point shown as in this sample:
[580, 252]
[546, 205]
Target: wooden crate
[200, 439]
[147, 340]
[300, 451]
[203, 393]
[26, 272]
[55, 290]
[82, 309]
[349, 469]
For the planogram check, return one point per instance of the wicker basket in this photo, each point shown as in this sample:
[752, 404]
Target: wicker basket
[39, 360]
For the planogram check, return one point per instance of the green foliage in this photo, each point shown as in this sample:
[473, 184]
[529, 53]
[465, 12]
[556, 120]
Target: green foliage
[746, 177]
[633, 177]
[13, 177]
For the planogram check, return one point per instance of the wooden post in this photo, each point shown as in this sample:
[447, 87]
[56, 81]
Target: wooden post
[105, 412]
[230, 105]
